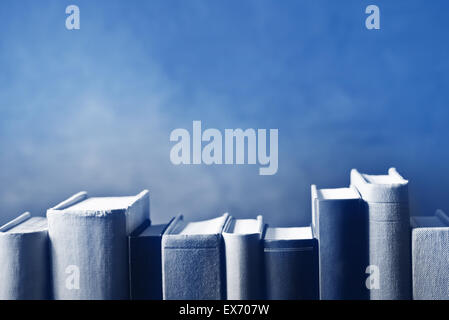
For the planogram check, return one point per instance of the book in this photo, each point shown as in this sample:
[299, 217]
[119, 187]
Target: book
[314, 223]
[193, 260]
[243, 252]
[342, 229]
[24, 266]
[291, 264]
[145, 261]
[430, 256]
[89, 245]
[386, 199]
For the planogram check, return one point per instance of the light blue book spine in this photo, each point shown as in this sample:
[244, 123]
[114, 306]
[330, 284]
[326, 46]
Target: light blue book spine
[430, 259]
[386, 199]
[244, 261]
[24, 261]
[89, 249]
[193, 266]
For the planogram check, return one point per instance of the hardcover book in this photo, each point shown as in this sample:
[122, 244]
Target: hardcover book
[291, 264]
[24, 260]
[243, 251]
[386, 199]
[430, 256]
[193, 266]
[343, 243]
[145, 261]
[89, 245]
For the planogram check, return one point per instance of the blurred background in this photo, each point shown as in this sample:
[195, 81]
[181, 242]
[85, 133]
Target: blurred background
[92, 109]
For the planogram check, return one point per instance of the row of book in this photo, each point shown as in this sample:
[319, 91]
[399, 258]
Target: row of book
[362, 244]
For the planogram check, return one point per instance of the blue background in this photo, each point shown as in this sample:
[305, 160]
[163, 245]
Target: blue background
[92, 109]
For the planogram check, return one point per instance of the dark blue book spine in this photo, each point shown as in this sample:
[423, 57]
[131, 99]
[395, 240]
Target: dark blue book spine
[291, 269]
[343, 249]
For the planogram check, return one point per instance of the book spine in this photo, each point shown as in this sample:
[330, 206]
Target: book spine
[24, 266]
[291, 272]
[193, 267]
[343, 249]
[89, 256]
[389, 236]
[430, 256]
[243, 266]
[145, 268]
[389, 250]
[315, 224]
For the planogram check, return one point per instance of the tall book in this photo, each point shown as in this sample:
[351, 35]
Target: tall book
[430, 256]
[386, 199]
[291, 264]
[145, 261]
[24, 266]
[243, 251]
[89, 245]
[342, 228]
[193, 260]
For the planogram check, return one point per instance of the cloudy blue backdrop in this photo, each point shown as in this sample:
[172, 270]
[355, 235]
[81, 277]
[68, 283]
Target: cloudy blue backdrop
[93, 109]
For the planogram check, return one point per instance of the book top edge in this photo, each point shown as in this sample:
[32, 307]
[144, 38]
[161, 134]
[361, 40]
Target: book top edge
[82, 204]
[25, 224]
[391, 179]
[244, 227]
[181, 228]
[388, 188]
[349, 193]
[152, 230]
[438, 220]
[290, 233]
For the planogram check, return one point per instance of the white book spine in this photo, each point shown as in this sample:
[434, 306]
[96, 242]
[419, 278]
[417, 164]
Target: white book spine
[24, 265]
[89, 249]
[386, 199]
[430, 260]
[244, 257]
